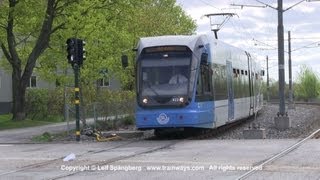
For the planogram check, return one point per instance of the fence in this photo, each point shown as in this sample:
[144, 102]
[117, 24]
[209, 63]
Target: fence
[110, 112]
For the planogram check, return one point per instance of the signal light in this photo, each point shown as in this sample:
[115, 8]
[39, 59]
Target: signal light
[145, 100]
[81, 51]
[72, 50]
[76, 51]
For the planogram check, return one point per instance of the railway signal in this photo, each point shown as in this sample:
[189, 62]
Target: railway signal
[76, 56]
[81, 55]
[76, 51]
[72, 50]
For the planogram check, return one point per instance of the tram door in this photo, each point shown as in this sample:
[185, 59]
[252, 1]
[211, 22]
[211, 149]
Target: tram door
[251, 93]
[230, 91]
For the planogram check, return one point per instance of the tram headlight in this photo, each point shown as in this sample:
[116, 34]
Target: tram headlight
[145, 100]
[181, 99]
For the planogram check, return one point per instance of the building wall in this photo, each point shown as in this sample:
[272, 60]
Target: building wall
[44, 84]
[5, 92]
[6, 88]
[114, 84]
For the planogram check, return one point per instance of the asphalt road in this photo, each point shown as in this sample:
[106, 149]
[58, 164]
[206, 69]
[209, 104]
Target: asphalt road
[174, 159]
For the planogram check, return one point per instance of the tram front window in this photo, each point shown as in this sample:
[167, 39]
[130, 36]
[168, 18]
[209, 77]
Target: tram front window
[165, 78]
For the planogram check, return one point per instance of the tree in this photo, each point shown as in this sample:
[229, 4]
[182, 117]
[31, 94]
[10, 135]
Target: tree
[26, 27]
[151, 18]
[110, 29]
[31, 38]
[308, 83]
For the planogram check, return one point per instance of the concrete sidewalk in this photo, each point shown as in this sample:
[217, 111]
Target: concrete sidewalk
[23, 135]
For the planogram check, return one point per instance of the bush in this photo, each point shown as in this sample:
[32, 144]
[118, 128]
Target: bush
[44, 103]
[45, 137]
[49, 104]
[308, 84]
[110, 103]
[129, 120]
[114, 124]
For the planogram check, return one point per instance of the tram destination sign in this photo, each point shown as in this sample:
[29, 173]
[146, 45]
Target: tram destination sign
[166, 49]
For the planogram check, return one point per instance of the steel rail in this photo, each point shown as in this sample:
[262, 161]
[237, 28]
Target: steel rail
[277, 156]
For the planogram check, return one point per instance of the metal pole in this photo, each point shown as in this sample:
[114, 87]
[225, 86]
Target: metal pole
[95, 115]
[215, 33]
[68, 118]
[290, 69]
[268, 86]
[77, 99]
[282, 107]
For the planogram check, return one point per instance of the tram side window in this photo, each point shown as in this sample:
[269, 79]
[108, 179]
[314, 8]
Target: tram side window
[204, 90]
[220, 81]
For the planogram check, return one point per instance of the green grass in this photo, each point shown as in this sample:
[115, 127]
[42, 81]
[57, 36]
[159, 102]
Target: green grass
[45, 137]
[7, 123]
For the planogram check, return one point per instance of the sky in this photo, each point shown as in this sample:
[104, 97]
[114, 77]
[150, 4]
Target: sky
[254, 29]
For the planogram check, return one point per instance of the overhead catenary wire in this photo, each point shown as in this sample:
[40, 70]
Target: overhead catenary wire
[306, 46]
[234, 26]
[245, 35]
[252, 35]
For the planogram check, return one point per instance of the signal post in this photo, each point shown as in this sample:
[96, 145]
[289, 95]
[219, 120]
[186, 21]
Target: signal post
[76, 56]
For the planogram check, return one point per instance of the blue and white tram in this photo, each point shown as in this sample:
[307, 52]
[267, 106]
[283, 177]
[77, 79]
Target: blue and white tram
[194, 81]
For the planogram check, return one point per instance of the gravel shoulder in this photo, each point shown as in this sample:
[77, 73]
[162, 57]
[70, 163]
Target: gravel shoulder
[304, 120]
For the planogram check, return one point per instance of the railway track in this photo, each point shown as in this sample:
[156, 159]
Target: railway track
[223, 129]
[109, 161]
[41, 164]
[173, 140]
[102, 163]
[315, 134]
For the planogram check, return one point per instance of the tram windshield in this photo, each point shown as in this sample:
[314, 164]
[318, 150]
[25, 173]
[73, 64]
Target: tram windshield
[165, 77]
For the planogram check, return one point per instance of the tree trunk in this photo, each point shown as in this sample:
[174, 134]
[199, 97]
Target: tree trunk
[19, 92]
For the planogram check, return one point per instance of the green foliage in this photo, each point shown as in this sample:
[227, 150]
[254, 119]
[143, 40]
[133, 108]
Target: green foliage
[109, 103]
[45, 137]
[129, 120]
[28, 16]
[308, 84]
[115, 124]
[104, 125]
[104, 103]
[110, 28]
[274, 90]
[45, 104]
[7, 123]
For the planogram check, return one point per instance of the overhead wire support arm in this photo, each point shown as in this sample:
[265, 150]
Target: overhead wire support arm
[267, 5]
[220, 14]
[254, 6]
[293, 5]
[247, 5]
